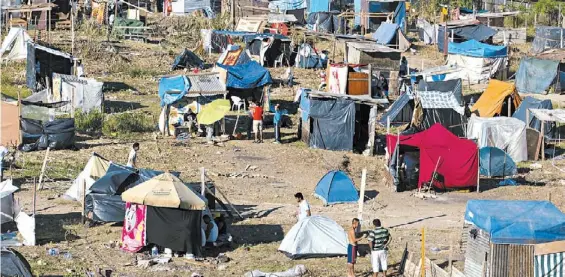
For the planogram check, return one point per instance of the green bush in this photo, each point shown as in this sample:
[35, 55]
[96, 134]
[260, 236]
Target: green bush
[90, 122]
[127, 123]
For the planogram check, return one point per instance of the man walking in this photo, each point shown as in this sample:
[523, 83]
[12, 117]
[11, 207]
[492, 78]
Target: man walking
[257, 114]
[303, 206]
[379, 238]
[132, 157]
[352, 248]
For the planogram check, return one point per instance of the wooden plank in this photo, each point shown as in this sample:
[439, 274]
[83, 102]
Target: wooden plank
[538, 146]
[549, 248]
[362, 194]
[40, 185]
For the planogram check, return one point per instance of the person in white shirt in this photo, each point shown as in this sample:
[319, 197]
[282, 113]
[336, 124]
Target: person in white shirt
[132, 158]
[303, 206]
[211, 229]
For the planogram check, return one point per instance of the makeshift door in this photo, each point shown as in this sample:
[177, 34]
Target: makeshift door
[133, 232]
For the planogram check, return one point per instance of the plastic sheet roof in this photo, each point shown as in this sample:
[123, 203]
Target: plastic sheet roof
[473, 48]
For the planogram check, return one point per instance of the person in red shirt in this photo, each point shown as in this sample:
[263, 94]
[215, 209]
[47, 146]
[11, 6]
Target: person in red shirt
[257, 115]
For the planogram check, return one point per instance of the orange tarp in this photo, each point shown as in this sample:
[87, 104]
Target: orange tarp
[493, 99]
[9, 124]
[232, 57]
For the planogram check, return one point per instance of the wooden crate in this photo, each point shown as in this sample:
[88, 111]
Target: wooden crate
[357, 83]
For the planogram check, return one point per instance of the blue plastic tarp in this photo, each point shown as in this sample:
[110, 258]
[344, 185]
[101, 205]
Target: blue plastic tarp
[246, 76]
[517, 222]
[287, 5]
[473, 48]
[171, 89]
[535, 75]
[533, 103]
[494, 162]
[547, 37]
[460, 34]
[400, 15]
[336, 187]
[385, 33]
[304, 104]
[318, 6]
[464, 10]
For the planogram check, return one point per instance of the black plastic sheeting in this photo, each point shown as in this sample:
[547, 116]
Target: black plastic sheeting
[14, 264]
[408, 163]
[177, 229]
[449, 118]
[333, 124]
[478, 32]
[42, 65]
[56, 134]
[277, 48]
[400, 112]
[299, 14]
[325, 22]
[105, 208]
[187, 59]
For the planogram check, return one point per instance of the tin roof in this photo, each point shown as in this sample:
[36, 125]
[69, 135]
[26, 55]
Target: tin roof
[206, 84]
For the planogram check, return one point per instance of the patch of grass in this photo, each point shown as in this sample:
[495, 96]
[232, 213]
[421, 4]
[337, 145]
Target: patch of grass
[89, 123]
[14, 80]
[126, 123]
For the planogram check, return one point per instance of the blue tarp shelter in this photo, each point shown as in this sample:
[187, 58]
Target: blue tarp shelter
[536, 75]
[335, 188]
[385, 33]
[171, 89]
[533, 103]
[494, 162]
[246, 76]
[473, 48]
[398, 8]
[307, 57]
[517, 222]
[318, 6]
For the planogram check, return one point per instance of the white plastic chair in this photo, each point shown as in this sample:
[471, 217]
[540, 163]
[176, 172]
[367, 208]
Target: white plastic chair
[237, 103]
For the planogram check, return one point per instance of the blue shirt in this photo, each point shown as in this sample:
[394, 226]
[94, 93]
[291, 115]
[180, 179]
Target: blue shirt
[278, 116]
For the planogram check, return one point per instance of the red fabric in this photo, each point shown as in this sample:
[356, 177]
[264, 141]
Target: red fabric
[133, 231]
[257, 113]
[459, 157]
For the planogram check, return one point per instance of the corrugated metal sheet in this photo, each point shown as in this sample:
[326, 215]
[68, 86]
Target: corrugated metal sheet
[550, 265]
[206, 84]
[477, 252]
[508, 260]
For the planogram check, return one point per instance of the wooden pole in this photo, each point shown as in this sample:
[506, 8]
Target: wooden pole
[34, 196]
[83, 202]
[478, 170]
[362, 194]
[235, 126]
[49, 25]
[227, 200]
[560, 27]
[450, 263]
[202, 181]
[232, 13]
[538, 145]
[72, 34]
[423, 254]
[21, 136]
[40, 185]
[509, 106]
[542, 140]
[370, 80]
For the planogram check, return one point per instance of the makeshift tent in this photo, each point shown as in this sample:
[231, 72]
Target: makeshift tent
[333, 124]
[269, 48]
[477, 62]
[42, 62]
[307, 57]
[234, 55]
[187, 59]
[506, 133]
[391, 35]
[95, 168]
[12, 263]
[325, 22]
[216, 41]
[246, 76]
[496, 98]
[315, 236]
[7, 190]
[534, 123]
[86, 93]
[9, 123]
[57, 134]
[172, 88]
[335, 188]
[494, 162]
[474, 32]
[538, 76]
[400, 112]
[517, 222]
[14, 45]
[395, 7]
[547, 37]
[455, 159]
[357, 52]
[426, 31]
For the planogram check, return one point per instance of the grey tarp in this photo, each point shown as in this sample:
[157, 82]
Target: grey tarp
[105, 208]
[400, 112]
[13, 263]
[547, 37]
[333, 124]
[449, 118]
[533, 103]
[325, 22]
[478, 32]
[56, 134]
[536, 76]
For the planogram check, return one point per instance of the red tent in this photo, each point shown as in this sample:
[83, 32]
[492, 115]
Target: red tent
[458, 158]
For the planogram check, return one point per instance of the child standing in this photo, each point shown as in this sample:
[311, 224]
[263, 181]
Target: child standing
[277, 120]
[132, 157]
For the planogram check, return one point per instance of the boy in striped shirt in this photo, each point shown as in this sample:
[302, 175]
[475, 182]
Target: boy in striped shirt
[379, 238]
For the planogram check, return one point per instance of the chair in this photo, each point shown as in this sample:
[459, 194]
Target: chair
[237, 103]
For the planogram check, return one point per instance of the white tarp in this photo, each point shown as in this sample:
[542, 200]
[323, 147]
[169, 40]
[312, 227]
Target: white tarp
[555, 115]
[506, 133]
[14, 46]
[95, 168]
[426, 31]
[315, 236]
[86, 93]
[7, 201]
[475, 70]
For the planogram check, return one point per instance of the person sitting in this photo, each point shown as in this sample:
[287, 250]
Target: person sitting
[211, 229]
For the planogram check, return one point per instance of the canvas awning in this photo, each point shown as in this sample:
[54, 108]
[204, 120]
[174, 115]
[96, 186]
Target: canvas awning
[167, 191]
[557, 115]
[506, 133]
[492, 100]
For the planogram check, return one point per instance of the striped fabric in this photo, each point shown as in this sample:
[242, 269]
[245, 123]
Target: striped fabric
[379, 237]
[550, 265]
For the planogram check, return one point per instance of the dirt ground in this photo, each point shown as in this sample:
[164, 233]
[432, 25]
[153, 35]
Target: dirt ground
[266, 200]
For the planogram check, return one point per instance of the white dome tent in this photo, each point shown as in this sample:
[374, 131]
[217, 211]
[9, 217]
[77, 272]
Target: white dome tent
[315, 236]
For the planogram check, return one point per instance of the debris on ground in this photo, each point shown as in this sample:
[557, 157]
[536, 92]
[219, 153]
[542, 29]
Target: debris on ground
[296, 271]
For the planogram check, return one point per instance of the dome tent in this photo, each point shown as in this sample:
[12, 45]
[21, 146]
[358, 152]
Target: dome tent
[315, 236]
[494, 162]
[336, 187]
